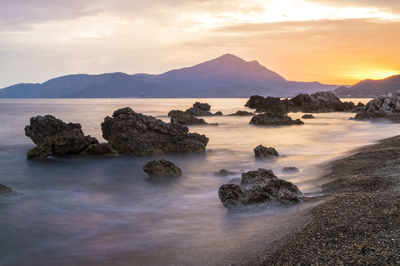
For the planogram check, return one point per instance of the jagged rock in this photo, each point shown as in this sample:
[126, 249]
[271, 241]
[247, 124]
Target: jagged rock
[162, 168]
[224, 172]
[259, 187]
[202, 106]
[5, 190]
[263, 152]
[271, 119]
[290, 170]
[243, 113]
[308, 116]
[380, 107]
[269, 104]
[198, 112]
[182, 118]
[56, 138]
[133, 133]
[99, 150]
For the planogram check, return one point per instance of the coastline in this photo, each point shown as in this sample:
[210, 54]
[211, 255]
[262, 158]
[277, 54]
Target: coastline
[359, 222]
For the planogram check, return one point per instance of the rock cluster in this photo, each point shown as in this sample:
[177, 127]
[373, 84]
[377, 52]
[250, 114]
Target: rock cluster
[272, 105]
[53, 137]
[242, 113]
[380, 107]
[273, 119]
[258, 187]
[201, 109]
[263, 152]
[162, 168]
[133, 133]
[183, 118]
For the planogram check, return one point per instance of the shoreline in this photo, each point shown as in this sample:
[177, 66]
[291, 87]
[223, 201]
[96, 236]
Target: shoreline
[359, 220]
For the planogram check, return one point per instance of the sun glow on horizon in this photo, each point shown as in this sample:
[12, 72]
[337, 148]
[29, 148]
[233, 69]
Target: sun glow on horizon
[374, 74]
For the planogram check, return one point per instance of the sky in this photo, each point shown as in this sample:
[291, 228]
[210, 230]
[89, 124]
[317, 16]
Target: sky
[331, 41]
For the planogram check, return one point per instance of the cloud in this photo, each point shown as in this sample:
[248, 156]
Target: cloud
[389, 5]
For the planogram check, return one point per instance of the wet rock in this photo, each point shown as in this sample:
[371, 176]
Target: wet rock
[133, 133]
[99, 150]
[308, 116]
[380, 107]
[182, 118]
[271, 119]
[198, 112]
[202, 106]
[162, 168]
[242, 113]
[224, 172]
[269, 104]
[56, 138]
[5, 190]
[290, 170]
[258, 187]
[263, 152]
[219, 113]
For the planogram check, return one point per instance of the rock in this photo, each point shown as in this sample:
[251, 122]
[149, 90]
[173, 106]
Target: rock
[290, 170]
[56, 138]
[202, 106]
[182, 118]
[5, 190]
[243, 113]
[269, 104]
[271, 119]
[162, 168]
[133, 133]
[380, 107]
[198, 112]
[219, 113]
[224, 172]
[308, 116]
[263, 152]
[99, 150]
[258, 187]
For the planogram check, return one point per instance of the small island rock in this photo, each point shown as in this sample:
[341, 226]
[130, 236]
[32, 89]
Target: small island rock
[263, 152]
[162, 168]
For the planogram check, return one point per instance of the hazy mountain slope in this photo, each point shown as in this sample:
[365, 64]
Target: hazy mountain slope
[225, 76]
[371, 88]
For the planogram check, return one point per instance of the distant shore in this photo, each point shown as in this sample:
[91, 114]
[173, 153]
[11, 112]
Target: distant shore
[359, 222]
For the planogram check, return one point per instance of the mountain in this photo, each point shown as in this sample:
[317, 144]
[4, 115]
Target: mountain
[370, 88]
[225, 76]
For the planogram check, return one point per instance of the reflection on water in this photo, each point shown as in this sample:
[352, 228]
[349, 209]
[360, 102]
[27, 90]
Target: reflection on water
[91, 211]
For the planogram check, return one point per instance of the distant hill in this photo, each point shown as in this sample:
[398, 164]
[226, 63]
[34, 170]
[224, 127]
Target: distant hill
[225, 76]
[370, 88]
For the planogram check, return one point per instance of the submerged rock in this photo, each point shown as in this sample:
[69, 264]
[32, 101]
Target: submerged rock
[271, 119]
[162, 168]
[242, 113]
[259, 187]
[263, 152]
[133, 133]
[308, 116]
[290, 170]
[53, 137]
[224, 172]
[182, 118]
[5, 190]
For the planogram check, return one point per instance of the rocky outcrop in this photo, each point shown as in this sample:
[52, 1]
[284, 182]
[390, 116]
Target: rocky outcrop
[290, 170]
[5, 190]
[182, 118]
[308, 116]
[202, 106]
[224, 172]
[219, 113]
[133, 133]
[380, 107]
[272, 119]
[259, 187]
[269, 104]
[263, 152]
[242, 113]
[162, 168]
[53, 137]
[198, 109]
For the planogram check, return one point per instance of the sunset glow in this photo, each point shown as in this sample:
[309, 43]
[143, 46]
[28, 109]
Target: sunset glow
[303, 40]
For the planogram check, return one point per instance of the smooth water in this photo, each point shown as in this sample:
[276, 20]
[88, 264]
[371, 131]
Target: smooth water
[107, 212]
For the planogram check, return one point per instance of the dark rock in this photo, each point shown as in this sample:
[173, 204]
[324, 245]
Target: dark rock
[162, 168]
[271, 119]
[219, 113]
[182, 118]
[290, 170]
[56, 138]
[99, 150]
[5, 190]
[202, 106]
[198, 112]
[254, 101]
[263, 152]
[243, 113]
[224, 172]
[269, 104]
[380, 107]
[308, 116]
[133, 133]
[259, 187]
